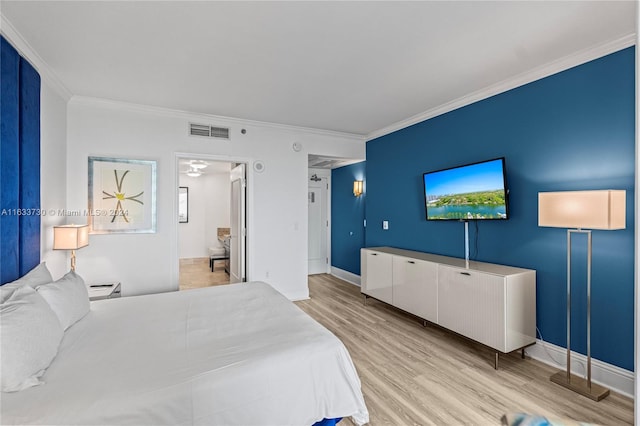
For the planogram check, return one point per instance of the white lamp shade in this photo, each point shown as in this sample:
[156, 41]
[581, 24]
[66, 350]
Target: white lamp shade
[599, 209]
[70, 237]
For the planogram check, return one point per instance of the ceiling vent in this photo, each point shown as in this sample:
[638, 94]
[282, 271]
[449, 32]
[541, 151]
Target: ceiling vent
[208, 131]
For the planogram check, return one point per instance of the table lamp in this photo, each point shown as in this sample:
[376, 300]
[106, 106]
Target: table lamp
[70, 237]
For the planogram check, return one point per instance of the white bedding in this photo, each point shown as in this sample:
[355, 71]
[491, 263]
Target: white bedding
[239, 354]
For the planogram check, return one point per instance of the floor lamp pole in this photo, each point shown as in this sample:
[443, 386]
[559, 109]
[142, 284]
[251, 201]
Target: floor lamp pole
[575, 383]
[466, 244]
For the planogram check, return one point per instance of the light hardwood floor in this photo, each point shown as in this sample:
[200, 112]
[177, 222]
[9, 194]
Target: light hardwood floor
[415, 375]
[195, 273]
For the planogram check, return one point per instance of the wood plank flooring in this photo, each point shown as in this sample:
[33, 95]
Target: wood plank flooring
[415, 375]
[195, 273]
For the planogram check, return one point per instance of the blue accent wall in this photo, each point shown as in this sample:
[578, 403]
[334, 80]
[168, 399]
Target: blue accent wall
[573, 130]
[347, 218]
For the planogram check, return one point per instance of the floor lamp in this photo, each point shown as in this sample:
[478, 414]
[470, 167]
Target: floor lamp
[70, 237]
[577, 210]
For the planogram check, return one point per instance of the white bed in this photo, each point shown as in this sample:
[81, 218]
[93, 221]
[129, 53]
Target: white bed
[237, 354]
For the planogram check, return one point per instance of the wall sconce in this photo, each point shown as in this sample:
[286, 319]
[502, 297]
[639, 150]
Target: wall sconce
[71, 237]
[357, 188]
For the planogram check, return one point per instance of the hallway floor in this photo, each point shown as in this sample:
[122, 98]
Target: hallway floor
[195, 273]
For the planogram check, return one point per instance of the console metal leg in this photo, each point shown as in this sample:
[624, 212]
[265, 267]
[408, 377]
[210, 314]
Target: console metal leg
[424, 323]
[522, 353]
[495, 365]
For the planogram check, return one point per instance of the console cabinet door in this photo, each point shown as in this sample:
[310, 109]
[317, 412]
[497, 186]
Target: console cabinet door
[472, 303]
[415, 287]
[377, 270]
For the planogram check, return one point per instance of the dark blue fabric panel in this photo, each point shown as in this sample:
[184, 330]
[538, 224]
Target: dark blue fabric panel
[9, 161]
[29, 230]
[327, 422]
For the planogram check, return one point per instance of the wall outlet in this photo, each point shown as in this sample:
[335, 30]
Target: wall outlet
[385, 224]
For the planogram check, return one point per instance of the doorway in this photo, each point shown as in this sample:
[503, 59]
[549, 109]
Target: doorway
[319, 222]
[320, 168]
[205, 225]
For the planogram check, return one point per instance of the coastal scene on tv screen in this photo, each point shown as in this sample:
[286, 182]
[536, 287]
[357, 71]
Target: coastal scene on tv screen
[470, 192]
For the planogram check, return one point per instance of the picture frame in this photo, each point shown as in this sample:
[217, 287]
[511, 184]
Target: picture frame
[183, 204]
[122, 196]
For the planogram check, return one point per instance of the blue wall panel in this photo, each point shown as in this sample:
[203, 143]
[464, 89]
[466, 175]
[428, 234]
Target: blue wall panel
[29, 233]
[19, 164]
[9, 160]
[570, 131]
[347, 218]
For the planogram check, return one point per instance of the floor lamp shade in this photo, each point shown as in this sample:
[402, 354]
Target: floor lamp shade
[580, 212]
[601, 209]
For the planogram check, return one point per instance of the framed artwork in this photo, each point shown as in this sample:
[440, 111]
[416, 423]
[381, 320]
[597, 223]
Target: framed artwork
[183, 204]
[122, 196]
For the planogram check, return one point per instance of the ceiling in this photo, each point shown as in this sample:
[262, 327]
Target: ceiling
[326, 162]
[353, 67]
[210, 167]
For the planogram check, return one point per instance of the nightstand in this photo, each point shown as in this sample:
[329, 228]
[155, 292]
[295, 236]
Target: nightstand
[104, 291]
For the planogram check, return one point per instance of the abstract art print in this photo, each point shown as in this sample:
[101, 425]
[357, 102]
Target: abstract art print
[122, 195]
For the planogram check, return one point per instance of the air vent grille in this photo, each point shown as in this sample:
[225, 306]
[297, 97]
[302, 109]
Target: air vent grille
[208, 131]
[220, 132]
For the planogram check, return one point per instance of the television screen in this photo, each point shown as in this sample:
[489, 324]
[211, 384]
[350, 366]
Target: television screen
[472, 192]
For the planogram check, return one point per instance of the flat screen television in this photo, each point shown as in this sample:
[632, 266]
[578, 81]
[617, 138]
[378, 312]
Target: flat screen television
[475, 191]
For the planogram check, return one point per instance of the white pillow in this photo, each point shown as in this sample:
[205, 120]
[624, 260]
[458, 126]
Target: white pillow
[30, 335]
[35, 277]
[68, 297]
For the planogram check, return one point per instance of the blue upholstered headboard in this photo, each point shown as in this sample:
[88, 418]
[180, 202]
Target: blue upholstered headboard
[19, 164]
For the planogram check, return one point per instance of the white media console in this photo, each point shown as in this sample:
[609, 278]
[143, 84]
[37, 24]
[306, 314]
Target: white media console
[492, 304]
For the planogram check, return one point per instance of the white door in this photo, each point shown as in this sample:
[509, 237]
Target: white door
[318, 226]
[238, 229]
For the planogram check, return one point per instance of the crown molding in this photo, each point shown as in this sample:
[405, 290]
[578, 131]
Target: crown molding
[24, 48]
[175, 113]
[554, 67]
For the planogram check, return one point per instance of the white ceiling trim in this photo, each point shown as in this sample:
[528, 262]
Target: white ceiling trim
[168, 112]
[538, 73]
[21, 45]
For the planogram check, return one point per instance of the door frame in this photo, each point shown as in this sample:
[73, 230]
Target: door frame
[238, 242]
[249, 251]
[324, 174]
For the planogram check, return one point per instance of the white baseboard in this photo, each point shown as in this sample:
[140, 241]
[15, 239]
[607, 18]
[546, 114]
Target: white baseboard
[297, 297]
[615, 378]
[346, 276]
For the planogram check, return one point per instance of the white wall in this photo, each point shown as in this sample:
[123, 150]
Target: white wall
[209, 209]
[217, 206]
[276, 199]
[53, 166]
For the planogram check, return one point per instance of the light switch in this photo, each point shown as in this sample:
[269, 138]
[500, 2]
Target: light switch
[385, 224]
